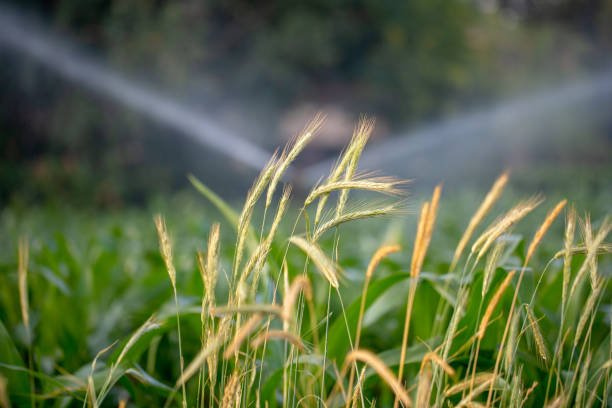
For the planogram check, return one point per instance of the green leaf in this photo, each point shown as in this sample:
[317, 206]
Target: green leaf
[227, 211]
[338, 344]
[17, 380]
[144, 378]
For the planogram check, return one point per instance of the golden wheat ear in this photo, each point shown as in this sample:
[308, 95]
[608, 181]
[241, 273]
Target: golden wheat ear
[22, 272]
[323, 263]
[289, 154]
[383, 371]
[490, 199]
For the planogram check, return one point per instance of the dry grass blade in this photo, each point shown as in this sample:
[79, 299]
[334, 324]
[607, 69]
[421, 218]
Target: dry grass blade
[492, 304]
[242, 334]
[383, 371]
[300, 283]
[323, 263]
[22, 271]
[465, 384]
[289, 155]
[165, 247]
[353, 216]
[385, 185]
[277, 334]
[537, 238]
[476, 219]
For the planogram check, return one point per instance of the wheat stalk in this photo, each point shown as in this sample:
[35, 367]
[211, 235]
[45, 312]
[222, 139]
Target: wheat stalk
[465, 384]
[423, 388]
[582, 381]
[593, 246]
[537, 335]
[434, 357]
[213, 345]
[301, 283]
[289, 155]
[421, 243]
[231, 393]
[242, 334]
[528, 393]
[491, 265]
[165, 248]
[485, 206]
[498, 228]
[587, 310]
[493, 303]
[4, 399]
[277, 334]
[383, 371]
[550, 217]
[363, 132]
[22, 273]
[351, 154]
[378, 256]
[253, 195]
[512, 342]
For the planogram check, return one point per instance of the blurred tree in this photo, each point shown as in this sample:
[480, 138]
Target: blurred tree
[403, 61]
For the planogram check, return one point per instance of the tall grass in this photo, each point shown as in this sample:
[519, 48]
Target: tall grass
[274, 320]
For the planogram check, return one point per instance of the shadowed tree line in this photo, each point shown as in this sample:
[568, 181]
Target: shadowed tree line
[247, 62]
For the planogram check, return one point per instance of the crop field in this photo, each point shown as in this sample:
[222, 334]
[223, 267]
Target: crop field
[354, 295]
